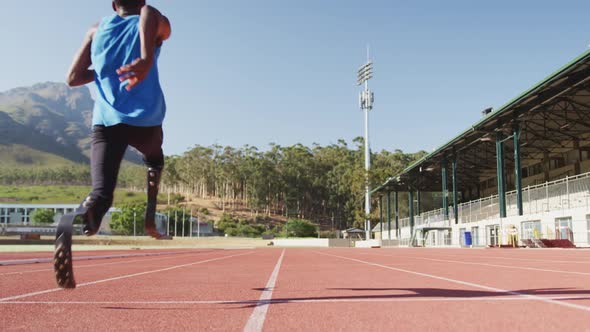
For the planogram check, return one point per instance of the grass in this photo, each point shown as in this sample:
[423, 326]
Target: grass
[63, 195]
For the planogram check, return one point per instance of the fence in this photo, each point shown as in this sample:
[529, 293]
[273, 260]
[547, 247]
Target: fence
[563, 194]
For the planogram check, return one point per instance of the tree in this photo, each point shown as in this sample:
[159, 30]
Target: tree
[122, 222]
[300, 228]
[43, 216]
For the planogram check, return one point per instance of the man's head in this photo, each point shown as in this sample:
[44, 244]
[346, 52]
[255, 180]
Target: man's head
[127, 5]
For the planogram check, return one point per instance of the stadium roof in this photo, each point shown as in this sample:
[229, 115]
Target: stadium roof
[554, 117]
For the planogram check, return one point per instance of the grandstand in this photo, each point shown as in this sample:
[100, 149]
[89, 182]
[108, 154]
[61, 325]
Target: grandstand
[525, 165]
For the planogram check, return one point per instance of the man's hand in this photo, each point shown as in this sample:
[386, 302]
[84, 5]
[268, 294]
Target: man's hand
[135, 72]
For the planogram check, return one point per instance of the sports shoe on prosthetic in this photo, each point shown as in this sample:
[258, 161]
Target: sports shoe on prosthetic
[91, 211]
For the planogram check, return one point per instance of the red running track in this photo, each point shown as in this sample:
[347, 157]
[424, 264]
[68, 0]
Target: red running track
[307, 289]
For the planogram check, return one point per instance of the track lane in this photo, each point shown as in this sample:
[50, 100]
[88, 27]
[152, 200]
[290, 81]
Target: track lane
[417, 302]
[43, 280]
[189, 297]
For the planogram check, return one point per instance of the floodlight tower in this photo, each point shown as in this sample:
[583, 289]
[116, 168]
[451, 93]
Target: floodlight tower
[366, 104]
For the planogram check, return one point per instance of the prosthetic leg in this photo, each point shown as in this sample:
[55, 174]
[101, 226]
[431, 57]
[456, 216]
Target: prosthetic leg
[153, 183]
[90, 214]
[62, 256]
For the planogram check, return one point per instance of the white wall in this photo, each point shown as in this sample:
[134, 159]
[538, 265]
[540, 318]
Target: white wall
[300, 242]
[579, 217]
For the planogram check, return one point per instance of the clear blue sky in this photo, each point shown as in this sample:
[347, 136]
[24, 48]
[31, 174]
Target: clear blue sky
[255, 72]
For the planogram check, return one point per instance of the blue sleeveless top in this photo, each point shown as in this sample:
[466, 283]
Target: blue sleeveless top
[116, 43]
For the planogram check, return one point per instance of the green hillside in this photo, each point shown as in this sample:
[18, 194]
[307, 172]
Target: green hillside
[18, 155]
[47, 124]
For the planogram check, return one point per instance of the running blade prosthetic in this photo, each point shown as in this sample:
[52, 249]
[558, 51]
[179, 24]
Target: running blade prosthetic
[62, 256]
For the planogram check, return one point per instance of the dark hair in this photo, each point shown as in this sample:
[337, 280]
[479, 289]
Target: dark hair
[128, 4]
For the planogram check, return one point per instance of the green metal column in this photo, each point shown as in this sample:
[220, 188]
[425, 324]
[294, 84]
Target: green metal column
[500, 175]
[418, 209]
[396, 208]
[381, 216]
[517, 169]
[411, 209]
[455, 199]
[445, 203]
[388, 215]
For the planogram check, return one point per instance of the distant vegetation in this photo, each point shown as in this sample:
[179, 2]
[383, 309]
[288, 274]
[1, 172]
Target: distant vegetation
[42, 216]
[321, 184]
[130, 175]
[64, 194]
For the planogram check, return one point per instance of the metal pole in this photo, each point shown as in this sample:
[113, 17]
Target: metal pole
[175, 223]
[567, 189]
[134, 224]
[183, 208]
[418, 203]
[367, 167]
[388, 207]
[445, 204]
[198, 227]
[381, 216]
[396, 209]
[168, 217]
[455, 198]
[411, 210]
[366, 104]
[191, 223]
[500, 175]
[517, 169]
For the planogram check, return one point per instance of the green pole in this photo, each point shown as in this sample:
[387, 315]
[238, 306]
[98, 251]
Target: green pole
[455, 200]
[517, 169]
[396, 208]
[418, 209]
[445, 203]
[381, 216]
[388, 215]
[500, 175]
[411, 209]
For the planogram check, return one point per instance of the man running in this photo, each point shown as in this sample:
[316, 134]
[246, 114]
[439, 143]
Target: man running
[122, 50]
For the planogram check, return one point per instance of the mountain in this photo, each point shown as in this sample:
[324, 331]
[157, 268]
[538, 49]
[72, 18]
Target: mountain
[47, 123]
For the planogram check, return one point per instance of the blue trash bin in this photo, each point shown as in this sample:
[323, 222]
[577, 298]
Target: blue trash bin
[467, 239]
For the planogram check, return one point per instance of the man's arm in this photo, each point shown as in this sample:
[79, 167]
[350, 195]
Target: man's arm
[154, 28]
[164, 28]
[79, 73]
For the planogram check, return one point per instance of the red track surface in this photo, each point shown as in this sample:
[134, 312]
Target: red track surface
[306, 289]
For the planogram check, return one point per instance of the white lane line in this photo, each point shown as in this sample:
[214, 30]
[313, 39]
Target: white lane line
[92, 265]
[507, 266]
[10, 298]
[487, 264]
[465, 283]
[282, 301]
[258, 316]
[518, 259]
